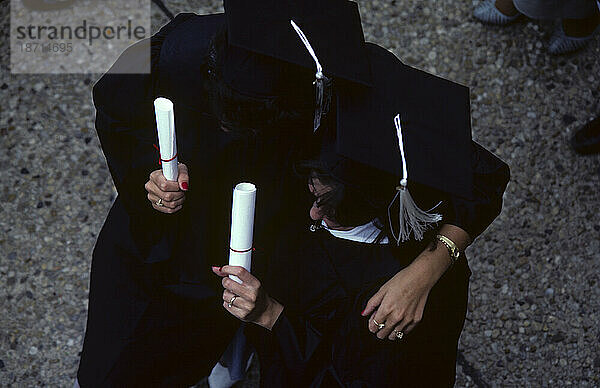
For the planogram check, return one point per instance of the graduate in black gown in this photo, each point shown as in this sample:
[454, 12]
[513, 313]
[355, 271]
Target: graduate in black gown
[317, 314]
[244, 111]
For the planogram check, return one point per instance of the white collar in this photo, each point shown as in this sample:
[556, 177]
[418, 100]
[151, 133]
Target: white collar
[366, 233]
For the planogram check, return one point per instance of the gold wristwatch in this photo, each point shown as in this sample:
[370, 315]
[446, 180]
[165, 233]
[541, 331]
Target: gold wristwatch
[452, 248]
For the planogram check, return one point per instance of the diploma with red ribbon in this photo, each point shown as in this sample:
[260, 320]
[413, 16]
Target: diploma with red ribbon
[165, 124]
[242, 226]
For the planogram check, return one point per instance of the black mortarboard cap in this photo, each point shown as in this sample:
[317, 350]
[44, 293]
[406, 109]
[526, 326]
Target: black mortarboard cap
[435, 121]
[266, 57]
[412, 125]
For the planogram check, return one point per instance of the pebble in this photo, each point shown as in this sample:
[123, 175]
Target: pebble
[38, 86]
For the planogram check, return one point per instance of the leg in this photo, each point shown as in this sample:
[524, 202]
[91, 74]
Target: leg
[498, 12]
[581, 28]
[507, 7]
[587, 139]
[574, 34]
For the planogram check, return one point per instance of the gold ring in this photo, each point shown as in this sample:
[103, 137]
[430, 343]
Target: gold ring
[399, 334]
[379, 325]
[159, 202]
[231, 301]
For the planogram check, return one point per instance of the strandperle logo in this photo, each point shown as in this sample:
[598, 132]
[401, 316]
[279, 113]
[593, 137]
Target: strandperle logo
[84, 31]
[83, 36]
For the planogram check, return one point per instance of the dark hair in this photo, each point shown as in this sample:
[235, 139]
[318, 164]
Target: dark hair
[343, 203]
[351, 205]
[240, 113]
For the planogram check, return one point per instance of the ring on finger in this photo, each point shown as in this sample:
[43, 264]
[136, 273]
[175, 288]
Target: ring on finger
[231, 301]
[159, 202]
[398, 333]
[379, 325]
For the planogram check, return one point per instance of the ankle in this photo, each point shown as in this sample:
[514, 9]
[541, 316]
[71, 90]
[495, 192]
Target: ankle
[507, 7]
[580, 28]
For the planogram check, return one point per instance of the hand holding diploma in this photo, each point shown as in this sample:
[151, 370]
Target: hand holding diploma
[171, 194]
[166, 186]
[248, 301]
[244, 297]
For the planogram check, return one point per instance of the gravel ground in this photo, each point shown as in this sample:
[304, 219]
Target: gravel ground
[534, 307]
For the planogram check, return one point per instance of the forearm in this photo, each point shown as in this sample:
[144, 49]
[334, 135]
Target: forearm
[435, 260]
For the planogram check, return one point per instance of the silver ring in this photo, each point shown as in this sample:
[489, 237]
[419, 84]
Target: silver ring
[231, 301]
[379, 325]
[399, 334]
[159, 202]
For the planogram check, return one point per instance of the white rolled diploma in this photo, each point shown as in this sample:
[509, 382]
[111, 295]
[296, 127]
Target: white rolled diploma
[242, 226]
[165, 124]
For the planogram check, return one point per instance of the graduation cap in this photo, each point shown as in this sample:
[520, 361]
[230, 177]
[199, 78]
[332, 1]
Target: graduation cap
[412, 125]
[283, 47]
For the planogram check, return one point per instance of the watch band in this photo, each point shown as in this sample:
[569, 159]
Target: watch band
[452, 248]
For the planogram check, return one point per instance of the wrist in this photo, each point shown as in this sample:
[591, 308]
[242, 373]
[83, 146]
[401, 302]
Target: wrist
[459, 236]
[432, 264]
[270, 315]
[453, 251]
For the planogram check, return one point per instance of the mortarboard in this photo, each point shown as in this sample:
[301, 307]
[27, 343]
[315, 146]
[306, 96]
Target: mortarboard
[390, 117]
[412, 125]
[277, 47]
[434, 117]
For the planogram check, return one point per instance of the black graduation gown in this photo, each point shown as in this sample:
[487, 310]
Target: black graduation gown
[322, 340]
[155, 314]
[154, 304]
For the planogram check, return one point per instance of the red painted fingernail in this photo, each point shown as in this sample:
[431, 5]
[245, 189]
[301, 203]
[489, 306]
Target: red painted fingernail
[184, 186]
[363, 312]
[217, 268]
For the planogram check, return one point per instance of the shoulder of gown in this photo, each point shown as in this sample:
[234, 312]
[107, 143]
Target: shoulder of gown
[177, 51]
[490, 178]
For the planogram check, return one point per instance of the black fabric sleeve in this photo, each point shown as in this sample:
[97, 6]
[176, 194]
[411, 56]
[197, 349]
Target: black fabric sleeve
[490, 177]
[286, 351]
[125, 120]
[295, 351]
[126, 125]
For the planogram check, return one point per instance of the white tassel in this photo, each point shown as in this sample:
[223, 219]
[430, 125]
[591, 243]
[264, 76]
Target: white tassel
[410, 217]
[321, 82]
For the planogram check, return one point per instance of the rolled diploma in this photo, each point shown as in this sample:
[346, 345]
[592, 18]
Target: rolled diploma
[242, 226]
[165, 124]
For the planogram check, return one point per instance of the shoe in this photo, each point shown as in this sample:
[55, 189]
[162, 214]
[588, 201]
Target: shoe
[586, 140]
[560, 43]
[487, 13]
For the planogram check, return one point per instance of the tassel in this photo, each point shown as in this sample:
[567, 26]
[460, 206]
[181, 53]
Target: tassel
[410, 217]
[322, 83]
